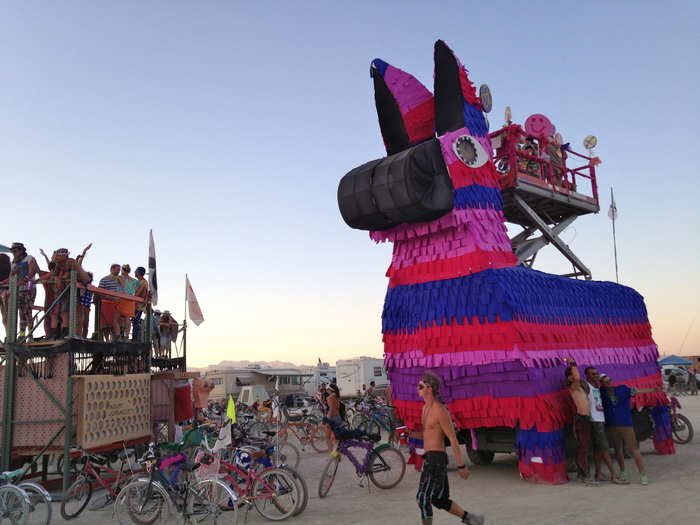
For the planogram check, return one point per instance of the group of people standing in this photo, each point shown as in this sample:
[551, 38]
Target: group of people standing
[602, 405]
[120, 318]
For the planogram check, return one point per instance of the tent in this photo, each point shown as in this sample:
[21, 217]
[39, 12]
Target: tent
[674, 360]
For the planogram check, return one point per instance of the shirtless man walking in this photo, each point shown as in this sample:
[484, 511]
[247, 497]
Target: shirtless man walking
[434, 488]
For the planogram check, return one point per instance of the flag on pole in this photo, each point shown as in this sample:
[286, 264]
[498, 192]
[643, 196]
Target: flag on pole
[152, 277]
[192, 304]
[231, 409]
[612, 211]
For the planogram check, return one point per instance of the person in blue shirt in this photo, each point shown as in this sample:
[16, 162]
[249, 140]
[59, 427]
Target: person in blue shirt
[618, 416]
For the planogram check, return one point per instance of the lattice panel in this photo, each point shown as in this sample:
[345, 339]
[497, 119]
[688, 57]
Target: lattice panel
[112, 409]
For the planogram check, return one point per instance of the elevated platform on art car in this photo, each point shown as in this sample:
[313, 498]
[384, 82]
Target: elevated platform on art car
[100, 391]
[545, 186]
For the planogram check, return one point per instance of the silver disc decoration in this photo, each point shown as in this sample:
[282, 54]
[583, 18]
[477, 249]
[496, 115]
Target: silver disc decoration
[486, 99]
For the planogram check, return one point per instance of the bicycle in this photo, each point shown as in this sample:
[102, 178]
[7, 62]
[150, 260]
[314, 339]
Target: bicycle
[151, 500]
[374, 419]
[19, 502]
[305, 431]
[681, 427]
[259, 454]
[384, 465]
[79, 494]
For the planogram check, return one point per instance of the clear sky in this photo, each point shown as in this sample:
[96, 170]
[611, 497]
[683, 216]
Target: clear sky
[226, 126]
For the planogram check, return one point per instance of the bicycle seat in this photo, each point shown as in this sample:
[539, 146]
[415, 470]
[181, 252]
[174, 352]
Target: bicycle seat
[269, 433]
[294, 418]
[98, 460]
[12, 474]
[374, 438]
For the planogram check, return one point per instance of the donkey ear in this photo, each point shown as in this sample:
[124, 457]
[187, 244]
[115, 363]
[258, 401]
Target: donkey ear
[456, 103]
[404, 107]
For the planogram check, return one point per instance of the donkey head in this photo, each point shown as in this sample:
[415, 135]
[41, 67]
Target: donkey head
[436, 146]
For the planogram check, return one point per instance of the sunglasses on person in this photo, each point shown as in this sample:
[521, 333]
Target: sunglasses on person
[421, 386]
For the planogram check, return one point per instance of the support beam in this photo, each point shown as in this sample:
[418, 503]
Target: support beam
[8, 400]
[529, 247]
[551, 236]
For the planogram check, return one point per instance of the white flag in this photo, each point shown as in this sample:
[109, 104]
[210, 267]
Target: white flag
[192, 304]
[612, 211]
[152, 277]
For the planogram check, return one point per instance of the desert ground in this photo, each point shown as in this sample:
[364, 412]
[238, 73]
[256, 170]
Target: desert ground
[497, 491]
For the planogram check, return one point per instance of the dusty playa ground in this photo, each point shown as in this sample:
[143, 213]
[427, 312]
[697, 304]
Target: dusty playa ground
[673, 495]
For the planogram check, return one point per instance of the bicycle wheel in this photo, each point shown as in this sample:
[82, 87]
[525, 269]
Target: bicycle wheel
[319, 439]
[102, 498]
[208, 501]
[15, 506]
[682, 429]
[76, 498]
[287, 454]
[387, 467]
[39, 503]
[142, 503]
[275, 494]
[328, 476]
[303, 491]
[370, 427]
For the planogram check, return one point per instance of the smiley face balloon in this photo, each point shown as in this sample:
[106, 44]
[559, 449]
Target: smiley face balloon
[539, 126]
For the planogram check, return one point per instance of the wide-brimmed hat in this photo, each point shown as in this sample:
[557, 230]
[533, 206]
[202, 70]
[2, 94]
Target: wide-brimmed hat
[17, 245]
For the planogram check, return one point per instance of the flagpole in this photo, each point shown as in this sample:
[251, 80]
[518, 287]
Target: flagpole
[614, 215]
[184, 329]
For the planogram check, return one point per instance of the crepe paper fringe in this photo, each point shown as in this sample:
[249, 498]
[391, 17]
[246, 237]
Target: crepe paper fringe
[506, 294]
[441, 270]
[519, 340]
[663, 436]
[445, 245]
[548, 412]
[595, 357]
[487, 219]
[545, 447]
[547, 474]
[463, 382]
[477, 196]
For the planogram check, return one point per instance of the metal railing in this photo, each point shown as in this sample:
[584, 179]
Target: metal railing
[513, 160]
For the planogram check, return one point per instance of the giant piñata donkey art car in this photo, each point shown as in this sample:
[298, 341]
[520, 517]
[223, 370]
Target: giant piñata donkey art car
[458, 303]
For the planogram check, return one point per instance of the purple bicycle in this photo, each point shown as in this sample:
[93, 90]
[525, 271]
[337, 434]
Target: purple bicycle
[384, 465]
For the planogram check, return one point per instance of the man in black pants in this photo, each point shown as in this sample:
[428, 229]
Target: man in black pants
[434, 488]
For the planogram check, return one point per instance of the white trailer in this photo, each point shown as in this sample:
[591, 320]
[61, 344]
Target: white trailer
[351, 374]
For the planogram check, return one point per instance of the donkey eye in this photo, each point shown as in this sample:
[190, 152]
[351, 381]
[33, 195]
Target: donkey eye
[469, 151]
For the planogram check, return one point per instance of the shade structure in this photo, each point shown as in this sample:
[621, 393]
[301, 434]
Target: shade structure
[4, 249]
[674, 360]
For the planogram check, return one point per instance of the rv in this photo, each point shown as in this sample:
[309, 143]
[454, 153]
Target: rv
[351, 374]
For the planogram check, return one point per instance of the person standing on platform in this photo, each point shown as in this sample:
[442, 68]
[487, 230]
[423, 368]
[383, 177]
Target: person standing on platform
[127, 309]
[111, 321]
[141, 291]
[25, 267]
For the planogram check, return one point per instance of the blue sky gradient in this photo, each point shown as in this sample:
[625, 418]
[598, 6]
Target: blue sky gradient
[226, 126]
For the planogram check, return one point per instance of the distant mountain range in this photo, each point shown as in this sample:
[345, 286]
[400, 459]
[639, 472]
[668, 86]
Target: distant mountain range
[244, 364]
